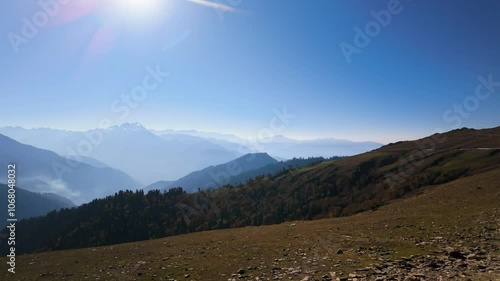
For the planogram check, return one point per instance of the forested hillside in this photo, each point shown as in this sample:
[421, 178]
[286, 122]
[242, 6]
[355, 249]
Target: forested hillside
[31, 204]
[328, 189]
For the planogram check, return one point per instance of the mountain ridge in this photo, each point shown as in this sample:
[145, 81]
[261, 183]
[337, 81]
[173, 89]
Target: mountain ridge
[337, 188]
[127, 147]
[219, 175]
[41, 170]
[31, 204]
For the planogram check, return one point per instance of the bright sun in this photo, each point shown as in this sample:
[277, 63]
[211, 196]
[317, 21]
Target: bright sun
[139, 6]
[137, 10]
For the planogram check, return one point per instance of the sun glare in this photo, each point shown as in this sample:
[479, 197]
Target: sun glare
[141, 7]
[140, 11]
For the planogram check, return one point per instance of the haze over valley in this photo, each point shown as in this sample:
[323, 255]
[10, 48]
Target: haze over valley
[130, 156]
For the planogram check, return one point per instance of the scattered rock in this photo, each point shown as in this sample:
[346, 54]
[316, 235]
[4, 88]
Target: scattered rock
[454, 253]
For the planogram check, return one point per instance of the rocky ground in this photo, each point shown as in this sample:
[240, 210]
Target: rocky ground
[449, 263]
[449, 232]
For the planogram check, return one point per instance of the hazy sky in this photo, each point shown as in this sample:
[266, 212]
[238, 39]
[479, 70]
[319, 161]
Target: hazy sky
[70, 65]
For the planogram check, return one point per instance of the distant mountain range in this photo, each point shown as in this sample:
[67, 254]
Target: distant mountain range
[330, 147]
[336, 188]
[150, 156]
[30, 204]
[158, 185]
[219, 175]
[236, 172]
[86, 165]
[279, 146]
[205, 135]
[131, 148]
[40, 170]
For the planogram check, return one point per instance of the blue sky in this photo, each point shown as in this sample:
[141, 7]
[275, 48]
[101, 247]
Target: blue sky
[228, 69]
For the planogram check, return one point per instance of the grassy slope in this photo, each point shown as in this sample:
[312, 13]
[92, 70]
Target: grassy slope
[460, 138]
[459, 211]
[353, 184]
